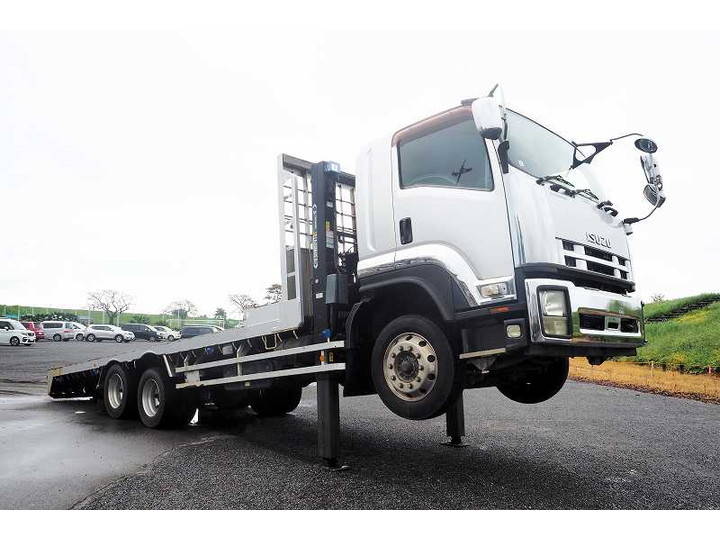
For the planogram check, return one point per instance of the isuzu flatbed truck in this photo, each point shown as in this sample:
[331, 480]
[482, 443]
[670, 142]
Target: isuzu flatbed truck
[472, 249]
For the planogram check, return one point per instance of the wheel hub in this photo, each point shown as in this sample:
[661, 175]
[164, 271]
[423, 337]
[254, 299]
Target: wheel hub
[410, 366]
[116, 390]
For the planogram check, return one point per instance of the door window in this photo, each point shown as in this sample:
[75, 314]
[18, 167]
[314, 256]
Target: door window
[452, 156]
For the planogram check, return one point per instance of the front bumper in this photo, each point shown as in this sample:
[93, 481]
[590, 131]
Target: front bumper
[597, 318]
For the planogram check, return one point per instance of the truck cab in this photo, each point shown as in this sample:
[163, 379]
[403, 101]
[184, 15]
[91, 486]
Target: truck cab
[501, 236]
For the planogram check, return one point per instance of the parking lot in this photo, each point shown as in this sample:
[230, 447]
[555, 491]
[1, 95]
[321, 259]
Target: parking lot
[589, 447]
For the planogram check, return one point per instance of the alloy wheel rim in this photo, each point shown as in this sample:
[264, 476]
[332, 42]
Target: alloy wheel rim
[116, 390]
[410, 366]
[151, 397]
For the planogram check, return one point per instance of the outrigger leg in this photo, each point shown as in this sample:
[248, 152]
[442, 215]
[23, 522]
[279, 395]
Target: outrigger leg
[328, 407]
[455, 423]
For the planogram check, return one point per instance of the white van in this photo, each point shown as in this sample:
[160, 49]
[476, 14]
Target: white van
[14, 333]
[60, 330]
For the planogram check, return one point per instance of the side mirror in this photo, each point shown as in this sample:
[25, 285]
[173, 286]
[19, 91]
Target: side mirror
[646, 145]
[653, 195]
[488, 118]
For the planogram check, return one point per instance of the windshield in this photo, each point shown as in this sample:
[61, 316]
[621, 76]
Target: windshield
[539, 152]
[17, 325]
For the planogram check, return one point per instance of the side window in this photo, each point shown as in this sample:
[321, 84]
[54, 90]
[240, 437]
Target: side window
[452, 156]
[5, 325]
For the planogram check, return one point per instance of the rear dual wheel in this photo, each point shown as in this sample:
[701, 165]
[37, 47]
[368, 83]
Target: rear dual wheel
[153, 398]
[276, 400]
[159, 403]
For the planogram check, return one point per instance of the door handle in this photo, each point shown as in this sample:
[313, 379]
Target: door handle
[406, 235]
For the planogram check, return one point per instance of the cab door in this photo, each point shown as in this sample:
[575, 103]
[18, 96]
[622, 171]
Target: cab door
[450, 208]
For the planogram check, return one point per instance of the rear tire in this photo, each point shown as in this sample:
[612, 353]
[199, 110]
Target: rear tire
[537, 386]
[159, 403]
[57, 337]
[119, 393]
[276, 400]
[414, 369]
[79, 337]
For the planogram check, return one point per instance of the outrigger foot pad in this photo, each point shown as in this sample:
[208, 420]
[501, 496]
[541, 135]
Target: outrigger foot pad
[455, 442]
[334, 465]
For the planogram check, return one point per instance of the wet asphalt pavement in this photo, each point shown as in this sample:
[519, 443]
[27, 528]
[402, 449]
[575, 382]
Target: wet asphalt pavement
[589, 447]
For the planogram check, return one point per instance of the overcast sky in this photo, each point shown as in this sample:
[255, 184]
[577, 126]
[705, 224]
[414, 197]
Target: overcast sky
[138, 147]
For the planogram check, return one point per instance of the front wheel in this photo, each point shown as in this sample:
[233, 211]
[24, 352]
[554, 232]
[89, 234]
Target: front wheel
[14, 341]
[90, 338]
[119, 338]
[537, 384]
[414, 369]
[171, 338]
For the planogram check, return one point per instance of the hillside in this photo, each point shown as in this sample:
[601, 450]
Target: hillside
[691, 338]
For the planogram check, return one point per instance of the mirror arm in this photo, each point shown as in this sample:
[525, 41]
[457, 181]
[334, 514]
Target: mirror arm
[502, 150]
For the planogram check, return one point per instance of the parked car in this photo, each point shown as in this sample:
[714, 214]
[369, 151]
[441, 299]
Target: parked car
[142, 331]
[59, 330]
[82, 330]
[34, 327]
[193, 330]
[167, 333]
[12, 332]
[100, 332]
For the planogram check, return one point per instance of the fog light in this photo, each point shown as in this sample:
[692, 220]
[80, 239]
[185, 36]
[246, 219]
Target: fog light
[555, 326]
[513, 331]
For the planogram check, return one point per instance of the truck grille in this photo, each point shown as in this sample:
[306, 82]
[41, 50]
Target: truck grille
[596, 260]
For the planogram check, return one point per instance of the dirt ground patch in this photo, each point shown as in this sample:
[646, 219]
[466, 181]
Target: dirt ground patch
[648, 378]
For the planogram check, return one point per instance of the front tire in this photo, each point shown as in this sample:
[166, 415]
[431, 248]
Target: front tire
[119, 393]
[159, 403]
[90, 338]
[119, 339]
[14, 341]
[538, 385]
[171, 338]
[414, 370]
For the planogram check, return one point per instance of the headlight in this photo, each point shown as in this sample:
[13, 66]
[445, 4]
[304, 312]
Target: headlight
[553, 303]
[554, 310]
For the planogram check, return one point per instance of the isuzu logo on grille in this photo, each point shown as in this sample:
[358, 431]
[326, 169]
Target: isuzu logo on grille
[597, 240]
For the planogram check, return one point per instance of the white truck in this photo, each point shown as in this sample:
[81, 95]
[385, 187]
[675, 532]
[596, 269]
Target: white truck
[472, 249]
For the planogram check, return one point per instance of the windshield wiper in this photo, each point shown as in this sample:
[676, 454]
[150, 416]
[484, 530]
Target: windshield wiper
[588, 192]
[558, 183]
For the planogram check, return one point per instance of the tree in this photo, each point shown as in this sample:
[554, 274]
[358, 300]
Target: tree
[112, 302]
[140, 319]
[242, 302]
[220, 313]
[273, 294]
[182, 309]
